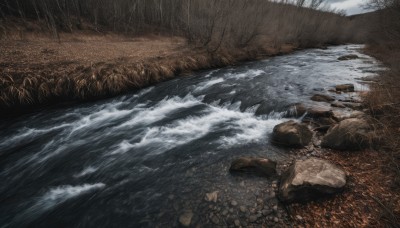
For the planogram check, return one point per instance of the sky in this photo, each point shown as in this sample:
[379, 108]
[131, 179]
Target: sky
[351, 7]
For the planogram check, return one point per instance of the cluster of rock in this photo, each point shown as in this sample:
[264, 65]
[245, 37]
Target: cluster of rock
[307, 178]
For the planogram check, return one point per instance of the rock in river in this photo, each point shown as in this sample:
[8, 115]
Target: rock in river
[318, 112]
[292, 134]
[260, 166]
[212, 196]
[348, 57]
[305, 180]
[296, 110]
[349, 134]
[345, 88]
[322, 98]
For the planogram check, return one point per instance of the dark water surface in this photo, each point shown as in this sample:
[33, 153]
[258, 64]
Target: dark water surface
[142, 159]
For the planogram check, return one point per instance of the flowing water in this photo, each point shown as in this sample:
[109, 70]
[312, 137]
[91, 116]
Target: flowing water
[143, 159]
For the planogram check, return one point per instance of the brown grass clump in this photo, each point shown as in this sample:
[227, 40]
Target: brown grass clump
[81, 71]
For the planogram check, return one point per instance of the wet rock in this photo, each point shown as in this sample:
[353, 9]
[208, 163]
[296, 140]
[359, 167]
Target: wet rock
[348, 57]
[322, 124]
[276, 219]
[260, 166]
[186, 218]
[354, 106]
[345, 88]
[338, 105]
[349, 134]
[369, 79]
[243, 209]
[322, 98]
[212, 196]
[318, 112]
[296, 110]
[292, 134]
[311, 178]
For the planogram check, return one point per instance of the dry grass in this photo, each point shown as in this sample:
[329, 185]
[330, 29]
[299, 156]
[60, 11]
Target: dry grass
[44, 72]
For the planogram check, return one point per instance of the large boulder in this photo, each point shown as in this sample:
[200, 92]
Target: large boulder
[292, 134]
[322, 98]
[259, 166]
[349, 134]
[310, 179]
[345, 88]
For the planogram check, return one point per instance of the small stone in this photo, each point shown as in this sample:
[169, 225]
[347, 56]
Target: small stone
[231, 210]
[243, 209]
[266, 212]
[298, 217]
[252, 218]
[215, 220]
[186, 218]
[272, 195]
[275, 208]
[212, 196]
[237, 223]
[276, 219]
[234, 203]
[224, 212]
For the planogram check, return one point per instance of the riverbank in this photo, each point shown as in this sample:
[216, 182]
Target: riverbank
[371, 197]
[38, 71]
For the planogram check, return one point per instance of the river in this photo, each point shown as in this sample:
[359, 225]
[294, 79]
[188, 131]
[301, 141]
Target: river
[145, 158]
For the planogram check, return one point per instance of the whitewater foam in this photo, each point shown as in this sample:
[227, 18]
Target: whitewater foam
[248, 74]
[86, 171]
[249, 127]
[208, 84]
[161, 110]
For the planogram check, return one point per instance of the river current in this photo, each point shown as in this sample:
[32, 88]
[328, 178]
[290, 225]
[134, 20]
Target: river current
[143, 159]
